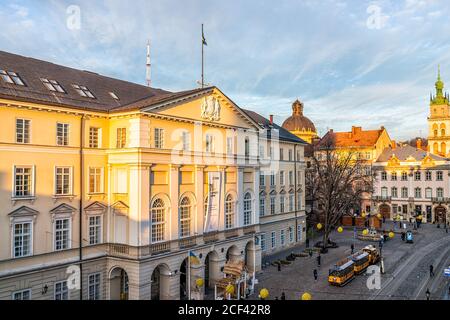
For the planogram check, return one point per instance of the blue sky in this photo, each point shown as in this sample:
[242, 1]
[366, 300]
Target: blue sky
[367, 63]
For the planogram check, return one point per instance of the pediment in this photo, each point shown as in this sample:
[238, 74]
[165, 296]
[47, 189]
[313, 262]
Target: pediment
[63, 208]
[212, 106]
[23, 211]
[120, 208]
[291, 191]
[282, 191]
[96, 206]
[263, 193]
[393, 161]
[428, 161]
[273, 193]
[411, 159]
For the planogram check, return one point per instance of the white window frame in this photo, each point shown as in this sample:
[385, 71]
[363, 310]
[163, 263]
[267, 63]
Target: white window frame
[63, 140]
[229, 212]
[22, 220]
[299, 232]
[101, 186]
[291, 234]
[291, 202]
[97, 281]
[21, 292]
[209, 143]
[273, 239]
[24, 141]
[98, 134]
[282, 180]
[273, 205]
[186, 141]
[32, 181]
[248, 208]
[69, 233]
[64, 290]
[282, 238]
[98, 228]
[158, 138]
[282, 204]
[121, 137]
[262, 206]
[263, 242]
[70, 191]
[230, 144]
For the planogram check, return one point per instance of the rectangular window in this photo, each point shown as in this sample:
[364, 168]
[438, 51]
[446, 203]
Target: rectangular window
[291, 202]
[440, 192]
[53, 85]
[23, 130]
[121, 139]
[63, 181]
[282, 238]
[272, 179]
[282, 201]
[209, 140]
[23, 182]
[404, 192]
[417, 176]
[247, 147]
[94, 137]
[62, 232]
[11, 77]
[22, 295]
[282, 178]
[61, 290]
[261, 151]
[428, 175]
[290, 154]
[272, 205]
[299, 232]
[95, 230]
[383, 176]
[263, 241]
[428, 193]
[262, 180]
[186, 140]
[22, 239]
[394, 176]
[439, 176]
[404, 176]
[281, 154]
[95, 180]
[159, 138]
[291, 234]
[418, 193]
[62, 134]
[291, 178]
[274, 239]
[262, 206]
[94, 286]
[83, 91]
[230, 145]
[394, 193]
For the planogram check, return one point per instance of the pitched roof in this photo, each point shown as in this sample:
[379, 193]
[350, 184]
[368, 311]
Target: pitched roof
[355, 138]
[32, 70]
[265, 123]
[403, 152]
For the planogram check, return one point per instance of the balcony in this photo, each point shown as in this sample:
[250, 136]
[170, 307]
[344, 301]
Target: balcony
[440, 199]
[382, 198]
[187, 242]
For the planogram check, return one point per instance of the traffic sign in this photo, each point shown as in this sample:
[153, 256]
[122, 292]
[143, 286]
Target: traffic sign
[447, 272]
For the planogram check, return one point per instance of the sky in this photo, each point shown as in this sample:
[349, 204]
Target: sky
[352, 63]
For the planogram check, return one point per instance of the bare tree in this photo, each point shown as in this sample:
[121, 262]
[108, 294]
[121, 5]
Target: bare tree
[336, 182]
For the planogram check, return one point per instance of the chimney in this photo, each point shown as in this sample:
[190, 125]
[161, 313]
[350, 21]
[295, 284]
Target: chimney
[271, 119]
[393, 144]
[356, 130]
[419, 143]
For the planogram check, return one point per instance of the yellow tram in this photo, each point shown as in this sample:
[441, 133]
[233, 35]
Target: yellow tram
[342, 273]
[374, 254]
[361, 260]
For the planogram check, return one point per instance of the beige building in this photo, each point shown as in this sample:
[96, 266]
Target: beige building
[107, 187]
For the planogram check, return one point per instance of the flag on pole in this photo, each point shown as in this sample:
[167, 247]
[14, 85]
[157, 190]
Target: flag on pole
[203, 38]
[193, 258]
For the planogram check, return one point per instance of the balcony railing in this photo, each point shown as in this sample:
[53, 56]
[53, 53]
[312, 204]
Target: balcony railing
[440, 199]
[187, 242]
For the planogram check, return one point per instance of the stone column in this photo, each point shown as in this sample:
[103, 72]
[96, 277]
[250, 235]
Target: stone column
[199, 193]
[240, 195]
[222, 171]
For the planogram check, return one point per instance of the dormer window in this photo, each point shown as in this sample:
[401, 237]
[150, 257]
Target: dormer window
[11, 77]
[52, 85]
[114, 96]
[83, 91]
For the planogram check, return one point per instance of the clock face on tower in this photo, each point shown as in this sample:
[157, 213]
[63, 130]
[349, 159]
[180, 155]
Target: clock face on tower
[210, 109]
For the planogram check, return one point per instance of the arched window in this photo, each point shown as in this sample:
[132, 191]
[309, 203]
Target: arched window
[443, 148]
[442, 127]
[158, 213]
[435, 129]
[185, 217]
[229, 212]
[435, 147]
[247, 208]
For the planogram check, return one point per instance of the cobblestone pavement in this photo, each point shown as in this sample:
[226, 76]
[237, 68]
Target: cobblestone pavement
[406, 270]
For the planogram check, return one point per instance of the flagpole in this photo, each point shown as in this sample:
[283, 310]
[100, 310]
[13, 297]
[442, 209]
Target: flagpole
[203, 43]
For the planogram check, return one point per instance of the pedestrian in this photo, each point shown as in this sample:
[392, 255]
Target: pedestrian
[315, 274]
[283, 296]
[428, 294]
[431, 270]
[384, 219]
[352, 247]
[310, 253]
[276, 298]
[279, 266]
[318, 260]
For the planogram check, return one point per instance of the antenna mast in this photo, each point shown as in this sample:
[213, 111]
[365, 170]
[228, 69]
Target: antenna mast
[148, 65]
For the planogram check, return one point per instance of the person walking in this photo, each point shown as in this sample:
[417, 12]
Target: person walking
[310, 253]
[431, 270]
[315, 274]
[319, 258]
[283, 296]
[352, 247]
[279, 266]
[428, 294]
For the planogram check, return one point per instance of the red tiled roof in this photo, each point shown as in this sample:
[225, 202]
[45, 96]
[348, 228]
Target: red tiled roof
[355, 138]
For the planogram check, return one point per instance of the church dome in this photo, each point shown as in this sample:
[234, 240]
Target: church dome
[298, 122]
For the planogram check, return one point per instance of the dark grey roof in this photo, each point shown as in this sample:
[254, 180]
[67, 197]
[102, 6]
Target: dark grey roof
[32, 70]
[403, 152]
[265, 123]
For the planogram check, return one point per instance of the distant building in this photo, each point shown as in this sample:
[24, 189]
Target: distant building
[300, 125]
[439, 121]
[410, 182]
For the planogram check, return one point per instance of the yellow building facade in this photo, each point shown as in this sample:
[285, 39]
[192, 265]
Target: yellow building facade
[116, 185]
